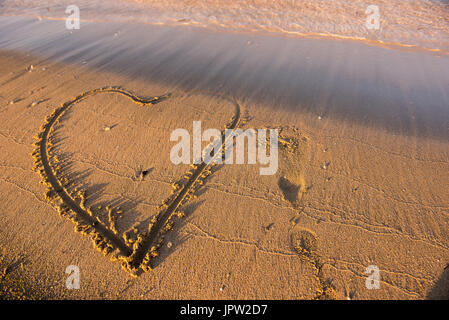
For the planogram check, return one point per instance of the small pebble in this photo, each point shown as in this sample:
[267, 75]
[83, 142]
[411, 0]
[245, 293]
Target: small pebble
[33, 104]
[319, 118]
[169, 245]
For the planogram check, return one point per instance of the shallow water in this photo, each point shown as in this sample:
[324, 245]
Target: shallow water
[422, 22]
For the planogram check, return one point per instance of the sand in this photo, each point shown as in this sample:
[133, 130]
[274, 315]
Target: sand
[362, 179]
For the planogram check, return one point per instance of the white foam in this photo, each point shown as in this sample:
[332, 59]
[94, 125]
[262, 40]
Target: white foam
[421, 22]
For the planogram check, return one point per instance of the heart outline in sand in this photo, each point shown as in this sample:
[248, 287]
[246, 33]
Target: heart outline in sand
[135, 255]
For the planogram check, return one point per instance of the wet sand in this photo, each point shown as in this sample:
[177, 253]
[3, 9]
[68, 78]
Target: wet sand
[362, 174]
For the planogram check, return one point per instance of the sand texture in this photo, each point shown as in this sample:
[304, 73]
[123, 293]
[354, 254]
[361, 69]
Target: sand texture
[345, 196]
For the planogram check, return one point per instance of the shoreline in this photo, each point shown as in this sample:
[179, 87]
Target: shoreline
[422, 21]
[391, 45]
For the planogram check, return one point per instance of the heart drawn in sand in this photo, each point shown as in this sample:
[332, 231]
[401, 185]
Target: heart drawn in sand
[134, 251]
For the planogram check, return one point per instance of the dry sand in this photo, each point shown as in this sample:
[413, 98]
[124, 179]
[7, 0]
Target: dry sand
[362, 180]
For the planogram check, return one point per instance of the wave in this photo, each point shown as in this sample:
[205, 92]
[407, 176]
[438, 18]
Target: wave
[423, 23]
